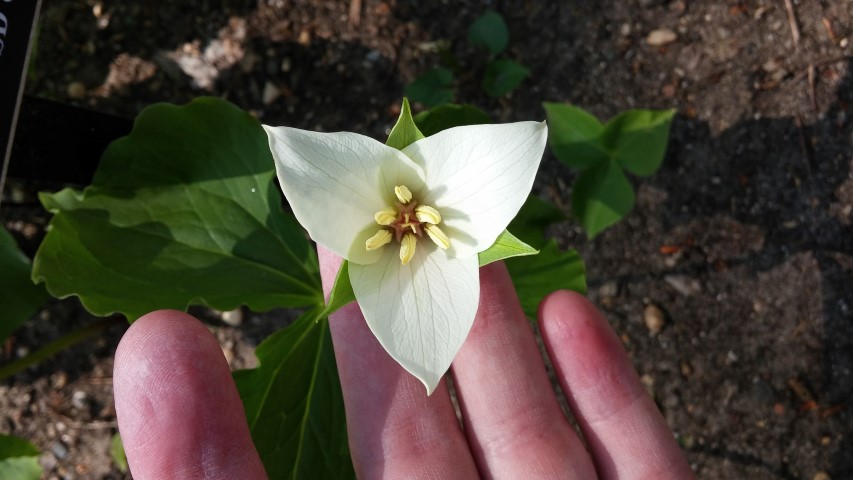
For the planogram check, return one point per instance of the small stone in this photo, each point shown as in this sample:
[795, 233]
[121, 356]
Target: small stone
[271, 93]
[76, 90]
[661, 37]
[228, 353]
[609, 289]
[654, 318]
[686, 369]
[233, 317]
[373, 56]
[683, 284]
[78, 399]
[59, 380]
[59, 449]
[771, 65]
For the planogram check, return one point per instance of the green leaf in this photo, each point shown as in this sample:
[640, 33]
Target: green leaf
[294, 404]
[505, 246]
[601, 196]
[534, 217]
[184, 210]
[449, 115]
[489, 31]
[18, 459]
[575, 136]
[405, 132]
[341, 294]
[432, 88]
[537, 276]
[19, 297]
[637, 139]
[117, 452]
[503, 76]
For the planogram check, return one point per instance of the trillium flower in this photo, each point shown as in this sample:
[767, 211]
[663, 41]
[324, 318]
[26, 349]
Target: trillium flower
[411, 223]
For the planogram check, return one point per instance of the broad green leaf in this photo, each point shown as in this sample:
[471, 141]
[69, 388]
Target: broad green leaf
[19, 297]
[341, 293]
[532, 220]
[505, 246]
[537, 276]
[449, 115]
[184, 210]
[637, 139]
[117, 452]
[432, 88]
[503, 76]
[601, 196]
[575, 136]
[294, 404]
[18, 459]
[489, 31]
[405, 132]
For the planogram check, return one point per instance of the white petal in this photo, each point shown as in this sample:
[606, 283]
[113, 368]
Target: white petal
[420, 312]
[478, 177]
[336, 182]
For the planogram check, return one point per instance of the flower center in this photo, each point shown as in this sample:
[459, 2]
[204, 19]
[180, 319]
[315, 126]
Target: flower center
[406, 224]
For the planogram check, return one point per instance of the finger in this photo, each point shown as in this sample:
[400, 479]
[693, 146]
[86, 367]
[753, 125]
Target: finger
[395, 429]
[626, 434]
[178, 410]
[515, 426]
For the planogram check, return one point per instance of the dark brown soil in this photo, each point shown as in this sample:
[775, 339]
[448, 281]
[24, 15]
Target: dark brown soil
[744, 239]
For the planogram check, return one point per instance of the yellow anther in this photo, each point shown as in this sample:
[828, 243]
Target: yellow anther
[427, 214]
[404, 195]
[385, 217]
[381, 238]
[437, 236]
[407, 248]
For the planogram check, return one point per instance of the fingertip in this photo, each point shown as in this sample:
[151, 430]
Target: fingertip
[564, 312]
[155, 331]
[178, 410]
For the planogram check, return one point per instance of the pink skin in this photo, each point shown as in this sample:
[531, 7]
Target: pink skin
[180, 416]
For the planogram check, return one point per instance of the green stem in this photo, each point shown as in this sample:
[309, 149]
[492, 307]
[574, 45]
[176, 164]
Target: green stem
[58, 345]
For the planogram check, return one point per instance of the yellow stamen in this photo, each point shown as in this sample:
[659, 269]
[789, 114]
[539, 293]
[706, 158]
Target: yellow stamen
[407, 248]
[381, 238]
[404, 195]
[385, 217]
[436, 235]
[427, 214]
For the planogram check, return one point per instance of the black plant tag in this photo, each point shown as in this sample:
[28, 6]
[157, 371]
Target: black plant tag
[17, 22]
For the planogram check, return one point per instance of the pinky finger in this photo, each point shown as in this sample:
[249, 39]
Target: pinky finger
[627, 436]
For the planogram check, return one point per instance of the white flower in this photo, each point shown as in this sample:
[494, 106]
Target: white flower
[411, 223]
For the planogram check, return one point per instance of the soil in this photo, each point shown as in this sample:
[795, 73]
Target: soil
[729, 283]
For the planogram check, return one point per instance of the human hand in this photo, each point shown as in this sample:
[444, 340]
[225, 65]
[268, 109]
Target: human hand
[180, 415]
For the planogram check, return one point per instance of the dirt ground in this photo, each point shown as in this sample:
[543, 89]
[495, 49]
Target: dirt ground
[743, 240]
